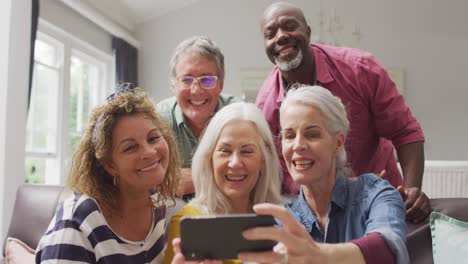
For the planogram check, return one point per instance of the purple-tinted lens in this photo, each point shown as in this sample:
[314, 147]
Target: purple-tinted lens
[187, 80]
[208, 82]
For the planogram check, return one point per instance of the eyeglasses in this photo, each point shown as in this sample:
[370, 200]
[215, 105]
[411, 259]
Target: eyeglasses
[205, 82]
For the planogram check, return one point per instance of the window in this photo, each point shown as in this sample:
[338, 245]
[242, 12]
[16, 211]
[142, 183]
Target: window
[70, 78]
[42, 124]
[84, 87]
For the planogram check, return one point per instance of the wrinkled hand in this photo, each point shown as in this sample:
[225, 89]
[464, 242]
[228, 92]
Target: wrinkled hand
[416, 203]
[185, 183]
[180, 259]
[293, 238]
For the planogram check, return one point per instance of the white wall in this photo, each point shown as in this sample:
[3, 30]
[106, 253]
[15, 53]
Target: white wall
[62, 16]
[427, 38]
[15, 32]
[5, 7]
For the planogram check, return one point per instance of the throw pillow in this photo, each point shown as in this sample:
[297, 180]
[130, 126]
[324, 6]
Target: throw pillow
[17, 252]
[449, 239]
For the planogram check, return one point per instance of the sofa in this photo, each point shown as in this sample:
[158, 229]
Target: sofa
[419, 240]
[33, 210]
[35, 206]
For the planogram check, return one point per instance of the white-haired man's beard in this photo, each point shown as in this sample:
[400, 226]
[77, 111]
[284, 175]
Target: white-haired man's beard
[290, 65]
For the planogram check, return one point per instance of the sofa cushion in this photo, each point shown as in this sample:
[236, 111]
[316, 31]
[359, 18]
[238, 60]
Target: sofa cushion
[449, 239]
[17, 252]
[37, 202]
[419, 241]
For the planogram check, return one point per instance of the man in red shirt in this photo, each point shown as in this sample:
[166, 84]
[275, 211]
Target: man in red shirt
[379, 116]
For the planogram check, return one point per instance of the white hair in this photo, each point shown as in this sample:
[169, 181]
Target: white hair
[331, 107]
[208, 197]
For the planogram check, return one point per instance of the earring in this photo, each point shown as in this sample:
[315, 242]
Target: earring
[116, 180]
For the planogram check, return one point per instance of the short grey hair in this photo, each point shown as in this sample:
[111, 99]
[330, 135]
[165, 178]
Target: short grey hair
[330, 106]
[201, 45]
[208, 197]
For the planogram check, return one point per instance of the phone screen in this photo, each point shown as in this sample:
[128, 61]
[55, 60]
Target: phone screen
[221, 237]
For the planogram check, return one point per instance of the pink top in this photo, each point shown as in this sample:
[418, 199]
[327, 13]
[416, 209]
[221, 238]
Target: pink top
[378, 114]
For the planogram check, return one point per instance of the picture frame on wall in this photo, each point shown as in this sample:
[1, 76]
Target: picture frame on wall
[251, 81]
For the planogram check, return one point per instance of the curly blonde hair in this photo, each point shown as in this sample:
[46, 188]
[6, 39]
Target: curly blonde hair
[87, 174]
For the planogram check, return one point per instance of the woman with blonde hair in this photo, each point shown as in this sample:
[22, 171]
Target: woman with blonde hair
[124, 170]
[234, 167]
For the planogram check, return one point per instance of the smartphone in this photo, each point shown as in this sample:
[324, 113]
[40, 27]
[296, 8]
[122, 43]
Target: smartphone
[220, 237]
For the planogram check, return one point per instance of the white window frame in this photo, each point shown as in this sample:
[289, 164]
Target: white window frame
[59, 67]
[72, 46]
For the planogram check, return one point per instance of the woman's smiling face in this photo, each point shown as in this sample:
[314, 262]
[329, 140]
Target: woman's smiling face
[309, 149]
[237, 159]
[139, 155]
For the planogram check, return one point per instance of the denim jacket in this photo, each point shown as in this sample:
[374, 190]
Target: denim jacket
[361, 205]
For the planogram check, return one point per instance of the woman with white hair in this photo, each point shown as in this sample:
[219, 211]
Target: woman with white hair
[234, 167]
[336, 218]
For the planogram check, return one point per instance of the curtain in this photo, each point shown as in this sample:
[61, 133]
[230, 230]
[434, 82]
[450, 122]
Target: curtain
[34, 22]
[126, 61]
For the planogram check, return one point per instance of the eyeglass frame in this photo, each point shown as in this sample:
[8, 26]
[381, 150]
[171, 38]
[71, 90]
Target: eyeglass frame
[197, 80]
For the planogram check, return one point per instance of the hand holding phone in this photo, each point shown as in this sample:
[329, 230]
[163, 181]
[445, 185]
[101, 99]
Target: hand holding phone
[220, 237]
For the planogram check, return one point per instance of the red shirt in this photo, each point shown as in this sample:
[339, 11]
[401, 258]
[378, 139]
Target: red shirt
[374, 249]
[379, 117]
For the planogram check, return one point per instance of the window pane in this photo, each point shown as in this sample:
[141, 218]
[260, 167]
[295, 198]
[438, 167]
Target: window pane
[61, 101]
[45, 53]
[35, 170]
[42, 124]
[42, 170]
[84, 84]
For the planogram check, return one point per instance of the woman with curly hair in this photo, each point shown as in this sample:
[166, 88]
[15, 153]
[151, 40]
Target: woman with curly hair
[124, 170]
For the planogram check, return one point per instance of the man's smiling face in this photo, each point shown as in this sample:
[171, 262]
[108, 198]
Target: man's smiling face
[197, 104]
[286, 36]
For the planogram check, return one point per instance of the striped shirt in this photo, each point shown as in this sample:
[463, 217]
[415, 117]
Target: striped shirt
[79, 233]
